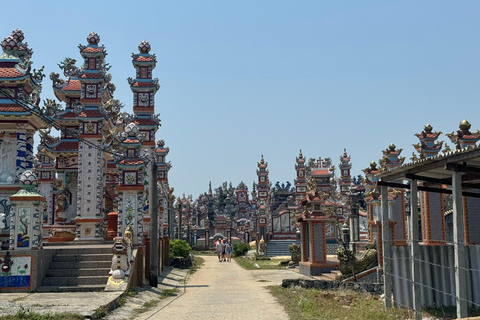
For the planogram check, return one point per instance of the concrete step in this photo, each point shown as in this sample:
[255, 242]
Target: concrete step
[78, 243]
[80, 265]
[79, 288]
[83, 250]
[77, 272]
[74, 281]
[82, 257]
[279, 247]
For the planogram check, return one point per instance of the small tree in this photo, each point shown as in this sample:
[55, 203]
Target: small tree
[179, 248]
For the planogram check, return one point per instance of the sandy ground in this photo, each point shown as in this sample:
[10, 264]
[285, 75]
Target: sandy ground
[225, 291]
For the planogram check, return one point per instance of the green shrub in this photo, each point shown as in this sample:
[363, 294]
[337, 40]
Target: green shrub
[179, 248]
[240, 249]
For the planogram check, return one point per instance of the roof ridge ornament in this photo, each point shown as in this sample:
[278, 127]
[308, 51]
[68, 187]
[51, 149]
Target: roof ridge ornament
[93, 38]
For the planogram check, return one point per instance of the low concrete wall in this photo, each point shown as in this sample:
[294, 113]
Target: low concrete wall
[23, 270]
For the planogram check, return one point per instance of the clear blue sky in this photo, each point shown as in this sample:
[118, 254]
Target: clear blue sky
[245, 78]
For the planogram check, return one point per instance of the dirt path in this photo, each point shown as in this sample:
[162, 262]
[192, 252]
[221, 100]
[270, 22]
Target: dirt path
[221, 291]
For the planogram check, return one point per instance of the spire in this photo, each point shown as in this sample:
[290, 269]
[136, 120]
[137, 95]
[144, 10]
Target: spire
[428, 147]
[391, 157]
[345, 167]
[464, 137]
[144, 89]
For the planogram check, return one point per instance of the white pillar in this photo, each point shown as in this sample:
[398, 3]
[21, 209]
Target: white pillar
[459, 247]
[386, 246]
[415, 251]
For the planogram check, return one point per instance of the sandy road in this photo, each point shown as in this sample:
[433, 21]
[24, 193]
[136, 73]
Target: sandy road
[222, 290]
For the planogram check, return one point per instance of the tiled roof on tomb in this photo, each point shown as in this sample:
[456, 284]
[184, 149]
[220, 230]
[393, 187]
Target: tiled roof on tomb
[320, 172]
[428, 135]
[469, 137]
[65, 145]
[131, 141]
[162, 150]
[143, 84]
[11, 108]
[10, 73]
[144, 59]
[68, 115]
[92, 49]
[73, 85]
[131, 162]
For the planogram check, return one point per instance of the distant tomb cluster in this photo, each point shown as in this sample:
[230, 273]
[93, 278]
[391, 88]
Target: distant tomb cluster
[269, 212]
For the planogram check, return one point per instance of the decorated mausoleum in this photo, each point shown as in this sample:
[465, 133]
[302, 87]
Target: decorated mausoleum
[92, 179]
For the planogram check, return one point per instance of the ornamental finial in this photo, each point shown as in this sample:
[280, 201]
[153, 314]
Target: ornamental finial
[18, 35]
[9, 43]
[428, 128]
[93, 38]
[144, 47]
[465, 125]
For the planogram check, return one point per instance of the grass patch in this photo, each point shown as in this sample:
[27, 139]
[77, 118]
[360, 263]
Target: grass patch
[132, 292]
[168, 293]
[25, 314]
[448, 312]
[249, 264]
[122, 301]
[100, 313]
[199, 262]
[245, 263]
[150, 304]
[303, 304]
[147, 305]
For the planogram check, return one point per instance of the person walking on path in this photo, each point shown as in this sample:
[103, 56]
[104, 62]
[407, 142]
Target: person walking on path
[224, 253]
[228, 250]
[220, 249]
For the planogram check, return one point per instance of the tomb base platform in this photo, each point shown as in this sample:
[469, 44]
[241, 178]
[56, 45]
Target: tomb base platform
[60, 233]
[317, 269]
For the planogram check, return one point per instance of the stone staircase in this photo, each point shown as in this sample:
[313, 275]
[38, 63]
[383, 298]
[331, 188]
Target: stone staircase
[78, 269]
[279, 247]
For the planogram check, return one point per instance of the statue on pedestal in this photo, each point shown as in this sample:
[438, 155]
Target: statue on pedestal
[121, 262]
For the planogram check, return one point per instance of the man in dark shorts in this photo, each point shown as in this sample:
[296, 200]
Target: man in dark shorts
[224, 255]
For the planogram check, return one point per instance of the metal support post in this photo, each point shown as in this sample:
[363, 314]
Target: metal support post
[415, 251]
[459, 247]
[386, 245]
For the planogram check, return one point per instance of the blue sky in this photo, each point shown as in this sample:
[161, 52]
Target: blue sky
[244, 78]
